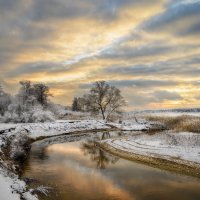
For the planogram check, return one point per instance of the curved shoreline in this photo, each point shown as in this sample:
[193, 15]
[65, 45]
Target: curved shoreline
[178, 166]
[9, 165]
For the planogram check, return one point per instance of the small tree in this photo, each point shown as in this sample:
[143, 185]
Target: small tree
[104, 99]
[25, 91]
[75, 105]
[5, 101]
[41, 93]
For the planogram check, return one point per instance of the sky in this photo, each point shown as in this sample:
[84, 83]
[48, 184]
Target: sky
[149, 49]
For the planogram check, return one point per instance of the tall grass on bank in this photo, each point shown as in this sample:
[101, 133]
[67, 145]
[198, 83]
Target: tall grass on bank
[184, 123]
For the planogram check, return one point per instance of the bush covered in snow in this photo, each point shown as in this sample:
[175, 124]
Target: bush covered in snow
[35, 114]
[59, 110]
[31, 104]
[42, 116]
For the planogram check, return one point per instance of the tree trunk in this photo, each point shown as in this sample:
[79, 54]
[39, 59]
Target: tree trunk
[102, 112]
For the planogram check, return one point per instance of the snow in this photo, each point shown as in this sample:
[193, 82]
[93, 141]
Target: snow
[55, 128]
[171, 146]
[185, 146]
[130, 125]
[175, 114]
[10, 185]
[29, 196]
[5, 189]
[164, 113]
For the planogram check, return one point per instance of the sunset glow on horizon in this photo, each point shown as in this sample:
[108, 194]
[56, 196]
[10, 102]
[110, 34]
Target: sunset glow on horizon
[149, 49]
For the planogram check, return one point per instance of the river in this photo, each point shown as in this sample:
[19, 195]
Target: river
[79, 170]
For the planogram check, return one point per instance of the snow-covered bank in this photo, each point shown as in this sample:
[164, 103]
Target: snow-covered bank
[142, 125]
[5, 190]
[12, 187]
[130, 125]
[54, 128]
[180, 148]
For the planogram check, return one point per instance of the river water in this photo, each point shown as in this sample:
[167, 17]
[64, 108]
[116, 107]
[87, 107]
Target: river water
[79, 170]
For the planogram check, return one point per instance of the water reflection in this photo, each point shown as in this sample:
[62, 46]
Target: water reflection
[72, 168]
[105, 135]
[97, 155]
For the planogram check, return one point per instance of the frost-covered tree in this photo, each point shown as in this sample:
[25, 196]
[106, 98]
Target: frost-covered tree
[79, 104]
[29, 105]
[31, 94]
[75, 106]
[104, 99]
[82, 102]
[5, 100]
[25, 91]
[41, 93]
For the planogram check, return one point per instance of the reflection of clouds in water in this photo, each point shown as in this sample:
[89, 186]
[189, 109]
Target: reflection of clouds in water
[85, 152]
[90, 182]
[64, 149]
[89, 179]
[150, 183]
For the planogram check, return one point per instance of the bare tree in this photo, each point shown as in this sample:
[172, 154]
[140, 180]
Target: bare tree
[41, 93]
[5, 101]
[25, 91]
[30, 93]
[104, 99]
[75, 105]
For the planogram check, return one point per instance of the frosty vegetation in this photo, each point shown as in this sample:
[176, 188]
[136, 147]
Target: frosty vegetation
[102, 99]
[32, 103]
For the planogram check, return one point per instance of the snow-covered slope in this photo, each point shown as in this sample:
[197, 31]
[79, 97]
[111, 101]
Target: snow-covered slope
[170, 146]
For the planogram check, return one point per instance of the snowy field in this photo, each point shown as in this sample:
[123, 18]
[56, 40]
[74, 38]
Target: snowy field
[164, 113]
[174, 114]
[178, 147]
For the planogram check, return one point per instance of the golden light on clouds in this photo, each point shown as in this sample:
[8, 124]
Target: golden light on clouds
[139, 46]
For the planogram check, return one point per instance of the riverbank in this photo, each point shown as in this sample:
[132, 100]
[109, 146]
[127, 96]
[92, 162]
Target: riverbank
[15, 139]
[179, 152]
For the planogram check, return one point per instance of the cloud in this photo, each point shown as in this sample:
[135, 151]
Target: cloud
[177, 13]
[142, 83]
[35, 68]
[140, 99]
[194, 29]
[132, 52]
[166, 95]
[182, 67]
[143, 47]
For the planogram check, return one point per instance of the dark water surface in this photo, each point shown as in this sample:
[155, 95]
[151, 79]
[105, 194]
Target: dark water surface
[79, 170]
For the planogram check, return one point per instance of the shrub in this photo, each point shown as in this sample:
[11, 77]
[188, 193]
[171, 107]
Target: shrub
[181, 123]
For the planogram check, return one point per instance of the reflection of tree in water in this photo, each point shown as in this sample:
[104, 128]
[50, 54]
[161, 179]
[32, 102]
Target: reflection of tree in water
[97, 155]
[105, 135]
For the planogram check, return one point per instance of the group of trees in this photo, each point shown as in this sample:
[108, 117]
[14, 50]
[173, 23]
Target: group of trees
[32, 94]
[29, 105]
[102, 99]
[32, 104]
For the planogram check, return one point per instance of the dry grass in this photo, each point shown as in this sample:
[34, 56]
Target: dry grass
[184, 123]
